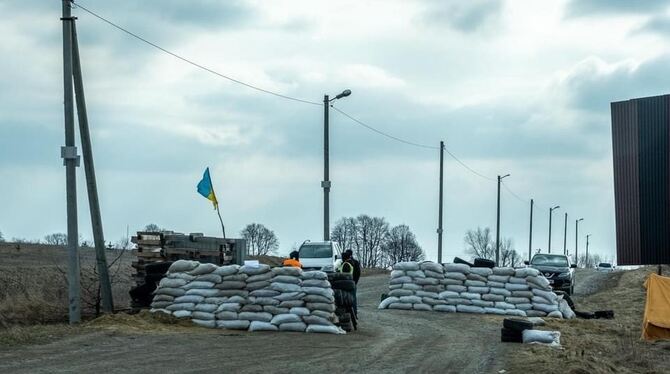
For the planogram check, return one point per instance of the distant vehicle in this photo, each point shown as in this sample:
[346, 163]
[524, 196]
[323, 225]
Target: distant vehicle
[557, 269]
[605, 267]
[319, 255]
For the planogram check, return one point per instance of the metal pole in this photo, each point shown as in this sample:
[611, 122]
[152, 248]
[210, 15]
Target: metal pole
[588, 262]
[550, 211]
[498, 225]
[439, 224]
[71, 161]
[91, 185]
[565, 235]
[326, 182]
[576, 241]
[530, 236]
[223, 228]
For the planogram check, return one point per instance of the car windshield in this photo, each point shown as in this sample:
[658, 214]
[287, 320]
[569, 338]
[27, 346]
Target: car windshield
[550, 260]
[604, 265]
[315, 251]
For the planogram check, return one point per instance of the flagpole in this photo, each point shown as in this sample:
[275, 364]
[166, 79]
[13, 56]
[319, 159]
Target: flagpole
[221, 220]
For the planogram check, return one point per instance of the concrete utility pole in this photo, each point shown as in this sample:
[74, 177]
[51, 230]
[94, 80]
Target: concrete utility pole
[71, 161]
[551, 210]
[91, 184]
[498, 221]
[565, 235]
[325, 184]
[439, 224]
[588, 262]
[576, 240]
[530, 235]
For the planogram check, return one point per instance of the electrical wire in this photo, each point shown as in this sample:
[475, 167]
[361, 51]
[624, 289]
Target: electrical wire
[186, 60]
[473, 171]
[515, 195]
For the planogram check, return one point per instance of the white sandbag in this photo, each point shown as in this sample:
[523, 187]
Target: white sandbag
[433, 274]
[445, 308]
[182, 276]
[457, 268]
[517, 300]
[287, 279]
[535, 313]
[540, 300]
[555, 314]
[316, 283]
[260, 277]
[433, 301]
[539, 282]
[320, 313]
[480, 290]
[415, 274]
[324, 329]
[456, 288]
[495, 284]
[195, 299]
[411, 266]
[515, 312]
[293, 326]
[290, 296]
[410, 299]
[458, 301]
[257, 285]
[274, 310]
[448, 294]
[212, 292]
[203, 269]
[164, 311]
[256, 316]
[516, 287]
[451, 282]
[500, 291]
[226, 271]
[565, 310]
[401, 292]
[498, 278]
[401, 280]
[254, 270]
[526, 294]
[318, 299]
[432, 266]
[412, 286]
[495, 311]
[197, 284]
[262, 326]
[204, 307]
[181, 266]
[469, 309]
[325, 292]
[163, 298]
[397, 273]
[483, 303]
[474, 283]
[291, 303]
[545, 294]
[402, 306]
[504, 305]
[214, 278]
[300, 311]
[180, 306]
[455, 275]
[285, 318]
[264, 293]
[172, 283]
[422, 306]
[551, 338]
[545, 307]
[476, 277]
[484, 272]
[204, 323]
[316, 320]
[471, 296]
[503, 271]
[233, 325]
[229, 307]
[536, 321]
[433, 295]
[524, 307]
[526, 272]
[427, 281]
[203, 316]
[314, 275]
[288, 270]
[515, 280]
[227, 316]
[285, 287]
[160, 304]
[493, 297]
[182, 313]
[394, 286]
[323, 306]
[174, 292]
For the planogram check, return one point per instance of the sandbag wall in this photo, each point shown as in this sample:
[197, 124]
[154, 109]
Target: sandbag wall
[460, 288]
[248, 298]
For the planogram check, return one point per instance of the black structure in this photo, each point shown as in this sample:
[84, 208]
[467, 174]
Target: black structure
[641, 149]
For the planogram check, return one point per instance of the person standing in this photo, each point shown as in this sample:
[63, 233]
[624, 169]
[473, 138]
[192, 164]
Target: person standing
[353, 267]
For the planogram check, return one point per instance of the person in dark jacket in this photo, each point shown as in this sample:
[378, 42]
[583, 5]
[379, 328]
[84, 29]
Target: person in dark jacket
[356, 274]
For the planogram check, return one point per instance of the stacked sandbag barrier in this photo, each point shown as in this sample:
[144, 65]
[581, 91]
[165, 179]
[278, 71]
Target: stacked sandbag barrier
[460, 288]
[253, 298]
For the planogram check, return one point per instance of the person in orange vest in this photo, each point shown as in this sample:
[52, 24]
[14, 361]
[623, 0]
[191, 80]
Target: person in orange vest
[293, 260]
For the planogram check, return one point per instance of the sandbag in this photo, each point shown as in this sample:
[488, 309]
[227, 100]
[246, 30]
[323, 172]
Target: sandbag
[411, 286]
[516, 280]
[433, 295]
[526, 272]
[324, 329]
[517, 300]
[290, 296]
[498, 278]
[181, 266]
[402, 306]
[263, 300]
[291, 303]
[493, 297]
[445, 308]
[288, 270]
[503, 271]
[233, 325]
[495, 284]
[260, 277]
[229, 307]
[476, 277]
[401, 280]
[204, 307]
[226, 271]
[164, 311]
[227, 316]
[457, 268]
[204, 323]
[197, 284]
[214, 278]
[545, 294]
[470, 309]
[540, 300]
[316, 320]
[318, 299]
[524, 307]
[552, 338]
[397, 273]
[322, 314]
[401, 292]
[183, 276]
[536, 313]
[316, 283]
[527, 294]
[203, 316]
[212, 292]
[216, 300]
[480, 290]
[314, 275]
[231, 285]
[203, 269]
[432, 266]
[174, 292]
[252, 308]
[163, 298]
[406, 266]
[256, 316]
[494, 311]
[455, 275]
[410, 299]
[274, 310]
[458, 301]
[474, 283]
[254, 270]
[484, 272]
[182, 313]
[433, 288]
[427, 281]
[257, 285]
[325, 292]
[471, 296]
[483, 303]
[293, 326]
[515, 312]
[285, 318]
[180, 306]
[451, 282]
[287, 279]
[500, 291]
[160, 304]
[323, 306]
[415, 274]
[516, 287]
[285, 287]
[565, 309]
[433, 301]
[172, 283]
[299, 311]
[545, 307]
[262, 326]
[264, 293]
[555, 314]
[539, 282]
[230, 293]
[504, 305]
[434, 274]
[456, 288]
[235, 277]
[195, 299]
[448, 294]
[421, 306]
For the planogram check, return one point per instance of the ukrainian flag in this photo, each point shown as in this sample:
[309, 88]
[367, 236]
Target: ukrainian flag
[205, 188]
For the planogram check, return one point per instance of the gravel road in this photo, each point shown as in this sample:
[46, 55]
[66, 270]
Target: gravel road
[388, 341]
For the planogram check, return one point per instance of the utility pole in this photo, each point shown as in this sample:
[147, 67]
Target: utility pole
[439, 224]
[530, 236]
[326, 181]
[71, 161]
[498, 221]
[91, 184]
[565, 235]
[551, 211]
[588, 262]
[576, 240]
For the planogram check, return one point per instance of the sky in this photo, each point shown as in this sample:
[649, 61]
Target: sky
[519, 87]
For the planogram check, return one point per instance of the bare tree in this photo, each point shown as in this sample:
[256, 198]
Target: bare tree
[364, 236]
[260, 240]
[344, 232]
[57, 238]
[401, 245]
[153, 227]
[508, 255]
[479, 243]
[590, 261]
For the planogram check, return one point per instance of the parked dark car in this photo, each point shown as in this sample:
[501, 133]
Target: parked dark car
[557, 269]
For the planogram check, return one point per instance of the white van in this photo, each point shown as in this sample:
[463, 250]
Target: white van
[319, 255]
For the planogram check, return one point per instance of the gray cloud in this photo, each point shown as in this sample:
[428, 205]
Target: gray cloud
[465, 16]
[656, 25]
[583, 8]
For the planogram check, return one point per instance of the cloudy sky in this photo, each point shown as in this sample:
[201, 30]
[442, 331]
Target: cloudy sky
[519, 87]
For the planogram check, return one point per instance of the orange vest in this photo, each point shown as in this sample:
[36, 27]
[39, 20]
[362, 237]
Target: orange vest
[292, 262]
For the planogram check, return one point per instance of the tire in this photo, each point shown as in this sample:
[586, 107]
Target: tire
[510, 336]
[458, 260]
[332, 277]
[606, 314]
[585, 315]
[484, 263]
[518, 325]
[347, 326]
[343, 284]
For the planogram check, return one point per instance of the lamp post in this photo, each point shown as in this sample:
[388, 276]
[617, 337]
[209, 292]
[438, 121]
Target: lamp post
[498, 220]
[551, 210]
[325, 184]
[576, 239]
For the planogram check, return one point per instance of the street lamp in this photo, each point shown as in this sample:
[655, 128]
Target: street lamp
[498, 221]
[551, 210]
[325, 183]
[576, 239]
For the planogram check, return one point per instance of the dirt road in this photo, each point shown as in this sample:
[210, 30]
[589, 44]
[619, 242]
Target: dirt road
[389, 341]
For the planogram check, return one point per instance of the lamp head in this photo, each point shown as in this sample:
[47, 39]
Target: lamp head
[344, 93]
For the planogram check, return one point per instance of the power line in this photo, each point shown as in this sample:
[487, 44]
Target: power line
[473, 171]
[515, 195]
[184, 59]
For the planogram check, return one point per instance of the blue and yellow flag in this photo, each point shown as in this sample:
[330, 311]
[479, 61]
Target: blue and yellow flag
[205, 188]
